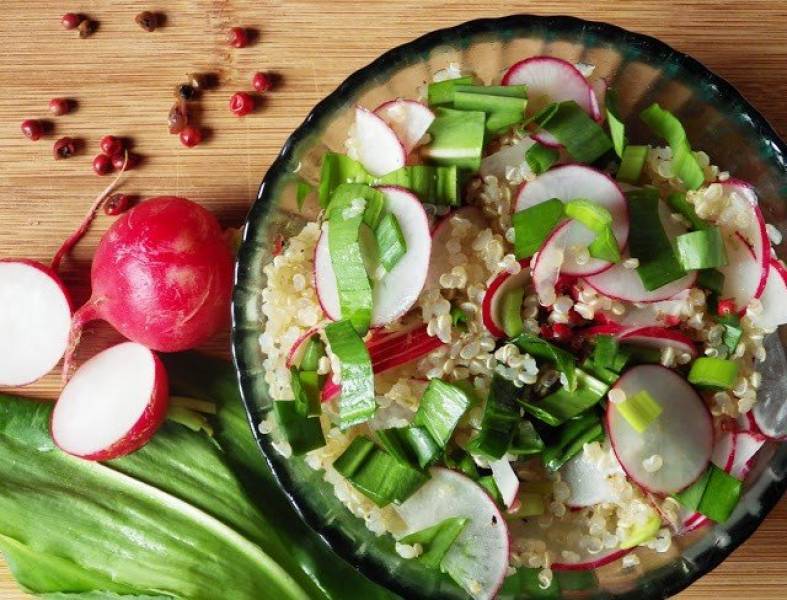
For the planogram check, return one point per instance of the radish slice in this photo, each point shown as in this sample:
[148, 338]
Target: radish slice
[506, 481]
[296, 350]
[409, 120]
[620, 283]
[577, 181]
[743, 272]
[35, 317]
[659, 313]
[682, 435]
[549, 79]
[724, 450]
[598, 95]
[589, 482]
[440, 258]
[510, 157]
[774, 308]
[112, 405]
[745, 422]
[605, 329]
[490, 305]
[746, 447]
[379, 149]
[660, 338]
[397, 291]
[770, 412]
[548, 263]
[478, 559]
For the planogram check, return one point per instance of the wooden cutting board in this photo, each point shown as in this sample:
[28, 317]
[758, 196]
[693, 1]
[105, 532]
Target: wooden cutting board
[123, 80]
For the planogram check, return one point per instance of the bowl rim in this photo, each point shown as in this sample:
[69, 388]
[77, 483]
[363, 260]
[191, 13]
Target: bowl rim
[649, 46]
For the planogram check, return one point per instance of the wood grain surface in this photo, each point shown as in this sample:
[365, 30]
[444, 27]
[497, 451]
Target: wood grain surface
[123, 78]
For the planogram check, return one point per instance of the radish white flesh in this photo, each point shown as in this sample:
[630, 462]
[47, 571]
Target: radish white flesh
[506, 481]
[112, 405]
[660, 338]
[510, 157]
[682, 435]
[598, 95]
[548, 264]
[576, 181]
[398, 289]
[296, 350]
[589, 482]
[743, 272]
[648, 315]
[440, 258]
[620, 283]
[408, 119]
[478, 559]
[502, 284]
[774, 307]
[724, 450]
[379, 149]
[746, 447]
[550, 79]
[770, 412]
[35, 317]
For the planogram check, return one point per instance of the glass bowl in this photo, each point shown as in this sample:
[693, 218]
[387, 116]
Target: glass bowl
[643, 70]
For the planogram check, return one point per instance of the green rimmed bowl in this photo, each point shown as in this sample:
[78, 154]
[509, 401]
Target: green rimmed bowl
[643, 70]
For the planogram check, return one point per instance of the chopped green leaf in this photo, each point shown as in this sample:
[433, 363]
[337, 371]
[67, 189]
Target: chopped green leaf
[640, 410]
[721, 495]
[571, 438]
[488, 483]
[692, 495]
[436, 540]
[540, 158]
[539, 348]
[733, 332]
[457, 138]
[701, 249]
[617, 129]
[441, 93]
[563, 404]
[302, 190]
[304, 434]
[684, 164]
[583, 138]
[390, 241]
[511, 312]
[524, 583]
[631, 164]
[526, 440]
[499, 421]
[356, 402]
[440, 409]
[306, 390]
[677, 202]
[533, 225]
[711, 280]
[713, 373]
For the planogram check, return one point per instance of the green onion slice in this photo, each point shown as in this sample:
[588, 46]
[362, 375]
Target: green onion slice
[457, 138]
[702, 249]
[599, 220]
[677, 202]
[533, 225]
[539, 348]
[511, 312]
[617, 129]
[713, 373]
[631, 164]
[440, 410]
[302, 433]
[540, 158]
[441, 93]
[667, 126]
[715, 494]
[571, 438]
[356, 402]
[436, 540]
[390, 241]
[499, 420]
[640, 410]
[560, 406]
[583, 138]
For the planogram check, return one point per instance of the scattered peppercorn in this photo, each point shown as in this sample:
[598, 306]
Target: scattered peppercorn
[190, 136]
[65, 147]
[241, 104]
[261, 82]
[185, 91]
[111, 145]
[70, 20]
[59, 106]
[32, 129]
[116, 204]
[102, 164]
[147, 20]
[178, 117]
[238, 37]
[130, 159]
[86, 28]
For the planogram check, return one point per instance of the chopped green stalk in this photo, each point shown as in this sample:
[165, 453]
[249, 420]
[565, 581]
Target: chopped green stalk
[649, 243]
[312, 353]
[692, 495]
[441, 93]
[599, 220]
[526, 440]
[488, 483]
[533, 225]
[508, 91]
[605, 246]
[436, 540]
[711, 279]
[306, 390]
[713, 373]
[721, 495]
[606, 375]
[190, 418]
[498, 122]
[702, 249]
[457, 138]
[677, 202]
[641, 533]
[540, 158]
[684, 164]
[424, 449]
[302, 190]
[461, 461]
[356, 402]
[441, 408]
[499, 421]
[631, 164]
[583, 138]
[525, 584]
[511, 312]
[390, 241]
[617, 130]
[539, 348]
[486, 102]
[573, 435]
[732, 331]
[563, 404]
[376, 474]
[641, 354]
[458, 317]
[304, 434]
[393, 442]
[640, 410]
[605, 351]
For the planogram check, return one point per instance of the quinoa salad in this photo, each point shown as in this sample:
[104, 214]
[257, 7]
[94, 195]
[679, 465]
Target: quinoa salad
[517, 341]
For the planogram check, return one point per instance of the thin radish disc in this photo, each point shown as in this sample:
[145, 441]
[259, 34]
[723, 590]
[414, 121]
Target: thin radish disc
[35, 316]
[506, 481]
[408, 119]
[589, 482]
[379, 149]
[682, 435]
[660, 338]
[774, 308]
[490, 305]
[112, 405]
[576, 181]
[742, 274]
[550, 79]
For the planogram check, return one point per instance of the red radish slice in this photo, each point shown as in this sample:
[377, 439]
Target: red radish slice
[113, 404]
[35, 317]
[478, 559]
[743, 273]
[660, 338]
[774, 308]
[659, 314]
[408, 119]
[506, 481]
[547, 139]
[620, 283]
[548, 264]
[593, 562]
[589, 482]
[577, 181]
[398, 289]
[296, 351]
[605, 329]
[746, 447]
[682, 434]
[503, 283]
[379, 149]
[745, 422]
[598, 95]
[509, 157]
[724, 450]
[549, 79]
[440, 258]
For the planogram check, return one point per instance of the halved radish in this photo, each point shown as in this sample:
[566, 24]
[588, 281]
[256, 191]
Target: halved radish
[774, 307]
[549, 79]
[509, 157]
[113, 404]
[682, 435]
[504, 282]
[589, 482]
[747, 444]
[566, 183]
[35, 317]
[409, 120]
[296, 350]
[440, 258]
[620, 283]
[660, 338]
[478, 559]
[398, 289]
[506, 481]
[379, 149]
[743, 272]
[661, 313]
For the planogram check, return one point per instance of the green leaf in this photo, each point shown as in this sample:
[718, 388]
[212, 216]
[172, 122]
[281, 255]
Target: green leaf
[667, 126]
[356, 403]
[457, 138]
[533, 225]
[540, 158]
[617, 129]
[583, 138]
[631, 164]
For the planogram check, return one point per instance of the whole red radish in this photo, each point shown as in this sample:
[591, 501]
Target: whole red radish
[161, 276]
